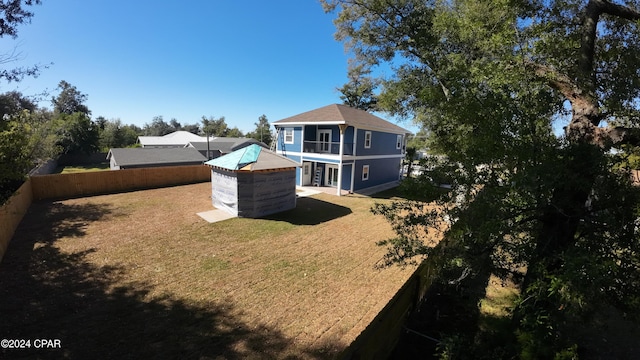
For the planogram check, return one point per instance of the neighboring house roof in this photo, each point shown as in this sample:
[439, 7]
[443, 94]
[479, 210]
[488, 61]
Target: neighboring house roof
[154, 156]
[172, 139]
[225, 144]
[252, 158]
[336, 114]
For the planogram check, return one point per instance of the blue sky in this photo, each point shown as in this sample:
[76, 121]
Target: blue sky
[185, 59]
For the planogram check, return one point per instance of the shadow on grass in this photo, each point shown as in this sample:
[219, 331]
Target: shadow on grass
[96, 314]
[310, 211]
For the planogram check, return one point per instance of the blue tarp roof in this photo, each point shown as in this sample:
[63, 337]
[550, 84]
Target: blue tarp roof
[237, 159]
[254, 155]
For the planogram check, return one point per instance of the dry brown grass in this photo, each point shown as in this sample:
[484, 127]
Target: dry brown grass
[141, 275]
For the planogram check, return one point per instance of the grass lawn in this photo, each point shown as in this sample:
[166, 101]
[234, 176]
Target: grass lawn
[82, 168]
[140, 275]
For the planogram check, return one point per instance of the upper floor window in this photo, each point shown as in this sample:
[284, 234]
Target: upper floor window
[367, 139]
[288, 136]
[399, 142]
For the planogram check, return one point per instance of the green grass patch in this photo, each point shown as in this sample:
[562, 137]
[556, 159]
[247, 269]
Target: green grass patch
[84, 168]
[215, 264]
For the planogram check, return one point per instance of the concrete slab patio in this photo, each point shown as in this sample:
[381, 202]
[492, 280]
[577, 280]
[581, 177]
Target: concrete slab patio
[215, 215]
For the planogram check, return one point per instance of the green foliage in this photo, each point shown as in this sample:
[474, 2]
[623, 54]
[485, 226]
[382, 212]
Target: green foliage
[77, 134]
[487, 80]
[263, 131]
[116, 135]
[219, 127]
[14, 156]
[359, 91]
[26, 140]
[69, 100]
[158, 127]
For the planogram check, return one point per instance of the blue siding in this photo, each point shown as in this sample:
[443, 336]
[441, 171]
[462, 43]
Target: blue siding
[346, 176]
[381, 171]
[297, 139]
[381, 144]
[298, 170]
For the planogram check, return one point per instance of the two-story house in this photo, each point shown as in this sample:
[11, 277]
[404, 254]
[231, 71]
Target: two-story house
[342, 147]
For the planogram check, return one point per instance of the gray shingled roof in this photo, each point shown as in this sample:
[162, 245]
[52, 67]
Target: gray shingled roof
[343, 114]
[225, 144]
[154, 156]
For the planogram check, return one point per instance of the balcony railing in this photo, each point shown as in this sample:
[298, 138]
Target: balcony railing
[323, 147]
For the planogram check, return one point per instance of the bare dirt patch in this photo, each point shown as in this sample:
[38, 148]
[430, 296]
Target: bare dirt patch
[139, 274]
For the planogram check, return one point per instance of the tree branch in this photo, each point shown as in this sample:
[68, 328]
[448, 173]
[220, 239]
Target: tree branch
[625, 12]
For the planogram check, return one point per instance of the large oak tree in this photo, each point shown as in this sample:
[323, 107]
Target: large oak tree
[490, 79]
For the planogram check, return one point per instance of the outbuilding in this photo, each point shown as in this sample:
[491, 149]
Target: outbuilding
[253, 182]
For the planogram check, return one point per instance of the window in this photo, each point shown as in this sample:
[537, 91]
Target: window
[365, 172]
[367, 139]
[399, 142]
[288, 136]
[324, 140]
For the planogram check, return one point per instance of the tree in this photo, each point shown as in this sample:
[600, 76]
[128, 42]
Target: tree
[359, 91]
[488, 79]
[158, 127]
[27, 139]
[77, 134]
[116, 135]
[234, 132]
[15, 13]
[112, 135]
[13, 102]
[263, 130]
[14, 152]
[69, 100]
[192, 128]
[218, 127]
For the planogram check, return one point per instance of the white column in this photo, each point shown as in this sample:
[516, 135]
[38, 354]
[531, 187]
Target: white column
[341, 151]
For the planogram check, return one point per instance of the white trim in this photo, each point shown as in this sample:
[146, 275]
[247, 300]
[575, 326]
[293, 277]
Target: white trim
[353, 175]
[315, 156]
[355, 143]
[365, 172]
[341, 156]
[293, 137]
[321, 142]
[309, 123]
[370, 139]
[372, 157]
[371, 128]
[326, 174]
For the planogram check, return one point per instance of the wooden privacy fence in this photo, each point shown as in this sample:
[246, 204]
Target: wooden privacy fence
[12, 212]
[378, 340]
[65, 186]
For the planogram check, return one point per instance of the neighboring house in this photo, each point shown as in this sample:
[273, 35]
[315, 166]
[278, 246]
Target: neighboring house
[253, 182]
[131, 158]
[219, 146]
[342, 147]
[176, 139]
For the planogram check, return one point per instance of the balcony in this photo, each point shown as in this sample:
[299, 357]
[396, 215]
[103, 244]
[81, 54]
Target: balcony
[323, 147]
